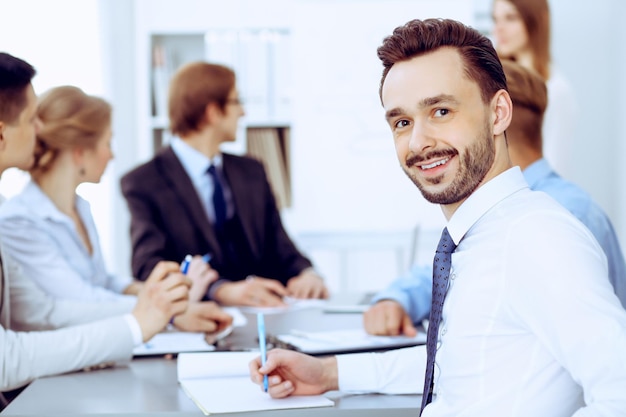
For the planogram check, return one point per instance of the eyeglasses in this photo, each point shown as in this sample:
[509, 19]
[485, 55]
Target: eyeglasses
[235, 101]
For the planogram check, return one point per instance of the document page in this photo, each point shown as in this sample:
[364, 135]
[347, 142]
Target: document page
[219, 382]
[175, 341]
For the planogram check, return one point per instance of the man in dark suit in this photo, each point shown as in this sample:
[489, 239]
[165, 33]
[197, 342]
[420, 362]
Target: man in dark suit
[193, 199]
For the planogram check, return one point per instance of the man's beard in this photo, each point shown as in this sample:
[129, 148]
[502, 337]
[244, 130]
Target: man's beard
[474, 164]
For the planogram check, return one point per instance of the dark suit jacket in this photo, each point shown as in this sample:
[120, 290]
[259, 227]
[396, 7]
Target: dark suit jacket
[168, 219]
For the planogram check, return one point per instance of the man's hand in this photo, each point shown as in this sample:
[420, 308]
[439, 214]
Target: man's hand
[164, 295]
[205, 317]
[253, 291]
[294, 373]
[307, 285]
[388, 318]
[201, 275]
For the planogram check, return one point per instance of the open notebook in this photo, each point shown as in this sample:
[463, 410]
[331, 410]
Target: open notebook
[219, 382]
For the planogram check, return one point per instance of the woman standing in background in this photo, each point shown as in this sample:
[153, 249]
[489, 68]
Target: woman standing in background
[522, 33]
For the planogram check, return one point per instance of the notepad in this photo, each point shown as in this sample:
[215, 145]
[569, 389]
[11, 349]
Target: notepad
[219, 382]
[345, 341]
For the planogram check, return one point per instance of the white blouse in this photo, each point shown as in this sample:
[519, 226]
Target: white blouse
[45, 242]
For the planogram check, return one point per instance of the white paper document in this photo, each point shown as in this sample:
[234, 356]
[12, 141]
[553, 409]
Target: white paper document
[175, 341]
[350, 340]
[219, 382]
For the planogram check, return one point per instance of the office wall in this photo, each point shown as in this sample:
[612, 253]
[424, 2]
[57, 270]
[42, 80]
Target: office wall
[588, 47]
[620, 143]
[63, 41]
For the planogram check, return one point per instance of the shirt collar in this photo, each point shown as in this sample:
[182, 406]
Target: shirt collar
[38, 201]
[537, 171]
[483, 199]
[194, 162]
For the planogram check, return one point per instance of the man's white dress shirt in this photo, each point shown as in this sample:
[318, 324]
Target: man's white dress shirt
[531, 325]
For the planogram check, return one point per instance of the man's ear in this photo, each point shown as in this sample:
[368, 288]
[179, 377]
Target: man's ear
[212, 112]
[502, 111]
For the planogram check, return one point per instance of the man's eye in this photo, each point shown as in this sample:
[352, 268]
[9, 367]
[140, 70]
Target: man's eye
[402, 123]
[441, 112]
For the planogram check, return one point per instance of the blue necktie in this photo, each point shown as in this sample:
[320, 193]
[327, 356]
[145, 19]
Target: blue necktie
[441, 273]
[219, 202]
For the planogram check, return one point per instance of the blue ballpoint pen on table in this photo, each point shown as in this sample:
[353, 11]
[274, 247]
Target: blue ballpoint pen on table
[261, 330]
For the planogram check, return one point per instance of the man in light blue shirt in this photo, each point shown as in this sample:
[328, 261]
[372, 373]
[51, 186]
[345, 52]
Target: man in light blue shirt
[407, 300]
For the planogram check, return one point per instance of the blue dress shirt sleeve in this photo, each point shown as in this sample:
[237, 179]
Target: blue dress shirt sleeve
[413, 291]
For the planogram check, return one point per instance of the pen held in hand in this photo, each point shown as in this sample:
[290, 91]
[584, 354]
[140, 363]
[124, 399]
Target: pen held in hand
[184, 266]
[261, 330]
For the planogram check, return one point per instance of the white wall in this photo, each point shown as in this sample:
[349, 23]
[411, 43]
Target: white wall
[62, 40]
[588, 48]
[50, 45]
[620, 147]
[346, 174]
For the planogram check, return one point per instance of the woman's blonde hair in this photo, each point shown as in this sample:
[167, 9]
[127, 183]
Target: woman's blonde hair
[70, 119]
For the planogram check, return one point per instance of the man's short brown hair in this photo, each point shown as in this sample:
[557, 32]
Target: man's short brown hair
[192, 88]
[529, 95]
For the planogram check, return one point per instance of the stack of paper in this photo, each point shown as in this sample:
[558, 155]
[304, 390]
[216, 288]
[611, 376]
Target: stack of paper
[343, 341]
[219, 382]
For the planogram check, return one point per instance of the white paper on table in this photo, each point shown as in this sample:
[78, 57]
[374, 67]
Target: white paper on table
[219, 382]
[175, 341]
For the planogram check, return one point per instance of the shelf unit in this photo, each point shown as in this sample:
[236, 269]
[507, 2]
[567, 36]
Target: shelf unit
[261, 61]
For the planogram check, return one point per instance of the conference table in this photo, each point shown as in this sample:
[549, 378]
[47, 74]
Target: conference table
[148, 386]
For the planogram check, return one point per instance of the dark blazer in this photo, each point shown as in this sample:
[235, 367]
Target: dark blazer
[168, 220]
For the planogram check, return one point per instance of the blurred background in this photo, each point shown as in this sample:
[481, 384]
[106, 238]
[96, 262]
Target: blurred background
[308, 73]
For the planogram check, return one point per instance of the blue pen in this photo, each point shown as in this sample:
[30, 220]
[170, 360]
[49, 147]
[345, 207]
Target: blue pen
[207, 258]
[261, 329]
[184, 267]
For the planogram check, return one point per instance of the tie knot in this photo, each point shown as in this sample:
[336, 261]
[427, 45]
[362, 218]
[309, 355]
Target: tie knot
[446, 244]
[211, 170]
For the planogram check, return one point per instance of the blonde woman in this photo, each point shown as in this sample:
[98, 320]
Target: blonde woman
[48, 228]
